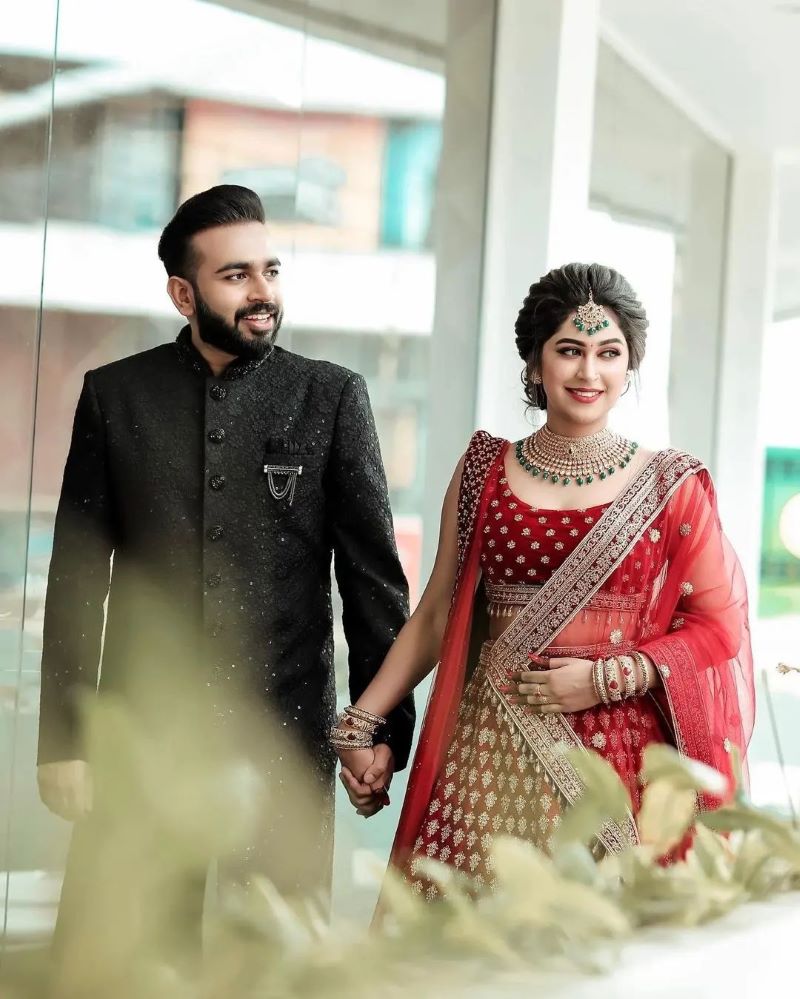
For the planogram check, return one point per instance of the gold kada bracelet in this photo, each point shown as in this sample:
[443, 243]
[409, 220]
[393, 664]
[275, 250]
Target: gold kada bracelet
[355, 728]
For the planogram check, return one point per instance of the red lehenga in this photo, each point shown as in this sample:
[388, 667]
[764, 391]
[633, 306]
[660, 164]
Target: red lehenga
[650, 571]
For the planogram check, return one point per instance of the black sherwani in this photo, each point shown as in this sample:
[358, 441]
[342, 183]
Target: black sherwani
[222, 501]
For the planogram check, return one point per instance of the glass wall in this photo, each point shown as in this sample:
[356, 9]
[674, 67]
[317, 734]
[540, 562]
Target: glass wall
[332, 112]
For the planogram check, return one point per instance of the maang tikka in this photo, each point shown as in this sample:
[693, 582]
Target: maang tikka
[590, 317]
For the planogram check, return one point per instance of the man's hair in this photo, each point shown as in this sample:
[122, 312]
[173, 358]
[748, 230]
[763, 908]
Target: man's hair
[225, 204]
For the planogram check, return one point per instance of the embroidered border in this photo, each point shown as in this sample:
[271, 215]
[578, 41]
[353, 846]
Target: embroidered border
[521, 594]
[482, 452]
[561, 598]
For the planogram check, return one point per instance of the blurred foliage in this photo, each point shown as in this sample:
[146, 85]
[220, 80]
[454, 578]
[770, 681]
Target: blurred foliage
[565, 911]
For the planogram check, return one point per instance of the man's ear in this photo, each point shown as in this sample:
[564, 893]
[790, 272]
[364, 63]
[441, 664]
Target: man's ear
[182, 294]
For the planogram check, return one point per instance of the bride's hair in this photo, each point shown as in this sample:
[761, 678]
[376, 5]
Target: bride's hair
[555, 296]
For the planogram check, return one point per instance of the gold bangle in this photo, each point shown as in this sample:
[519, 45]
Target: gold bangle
[598, 682]
[364, 715]
[612, 679]
[346, 721]
[350, 739]
[646, 668]
[628, 667]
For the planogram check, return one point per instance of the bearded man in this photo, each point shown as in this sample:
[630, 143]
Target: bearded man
[209, 484]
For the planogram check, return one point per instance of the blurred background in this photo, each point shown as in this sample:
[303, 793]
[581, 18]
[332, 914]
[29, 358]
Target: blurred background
[421, 164]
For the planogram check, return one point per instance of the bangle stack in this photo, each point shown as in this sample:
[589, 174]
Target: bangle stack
[619, 678]
[355, 728]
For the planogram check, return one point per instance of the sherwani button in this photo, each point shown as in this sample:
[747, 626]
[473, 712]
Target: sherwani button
[216, 436]
[217, 482]
[215, 532]
[218, 392]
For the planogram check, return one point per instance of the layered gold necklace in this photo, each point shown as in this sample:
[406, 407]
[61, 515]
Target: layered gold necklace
[564, 460]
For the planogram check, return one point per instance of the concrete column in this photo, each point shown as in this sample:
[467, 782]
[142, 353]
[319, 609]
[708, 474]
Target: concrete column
[539, 169]
[460, 221]
[697, 333]
[738, 460]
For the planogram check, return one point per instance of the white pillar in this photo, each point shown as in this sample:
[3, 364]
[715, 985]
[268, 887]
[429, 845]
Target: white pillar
[539, 169]
[460, 219]
[738, 463]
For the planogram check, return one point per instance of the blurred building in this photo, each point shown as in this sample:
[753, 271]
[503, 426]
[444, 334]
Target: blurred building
[421, 165]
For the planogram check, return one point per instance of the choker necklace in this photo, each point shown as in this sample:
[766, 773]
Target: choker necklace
[574, 459]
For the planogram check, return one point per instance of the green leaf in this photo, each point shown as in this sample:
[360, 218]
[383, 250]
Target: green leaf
[604, 797]
[665, 816]
[663, 762]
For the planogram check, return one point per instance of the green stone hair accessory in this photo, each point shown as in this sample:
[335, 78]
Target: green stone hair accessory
[590, 317]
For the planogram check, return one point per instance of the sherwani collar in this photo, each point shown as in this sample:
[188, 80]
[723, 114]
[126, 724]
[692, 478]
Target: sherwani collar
[192, 357]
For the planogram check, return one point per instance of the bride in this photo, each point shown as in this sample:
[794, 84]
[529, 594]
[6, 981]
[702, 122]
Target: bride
[583, 595]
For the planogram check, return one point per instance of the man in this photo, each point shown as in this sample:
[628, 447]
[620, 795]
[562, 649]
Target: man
[222, 472]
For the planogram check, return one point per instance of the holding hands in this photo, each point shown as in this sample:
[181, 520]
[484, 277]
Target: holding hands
[367, 769]
[366, 775]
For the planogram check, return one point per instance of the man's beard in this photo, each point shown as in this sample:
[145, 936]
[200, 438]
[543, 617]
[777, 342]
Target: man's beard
[217, 332]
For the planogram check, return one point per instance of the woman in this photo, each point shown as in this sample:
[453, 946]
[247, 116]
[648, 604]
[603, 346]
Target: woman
[583, 595]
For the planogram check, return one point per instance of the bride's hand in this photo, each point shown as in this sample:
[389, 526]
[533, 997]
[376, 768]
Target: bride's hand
[357, 761]
[564, 687]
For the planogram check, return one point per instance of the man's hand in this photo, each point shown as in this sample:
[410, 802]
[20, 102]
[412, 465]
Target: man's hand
[380, 772]
[65, 788]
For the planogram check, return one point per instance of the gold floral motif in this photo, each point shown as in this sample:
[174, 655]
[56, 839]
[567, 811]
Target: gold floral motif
[598, 740]
[526, 532]
[678, 623]
[685, 530]
[664, 671]
[655, 535]
[687, 589]
[616, 637]
[726, 745]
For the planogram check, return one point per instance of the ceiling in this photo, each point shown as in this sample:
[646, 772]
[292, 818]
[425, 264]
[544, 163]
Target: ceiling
[734, 61]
